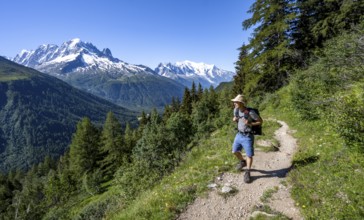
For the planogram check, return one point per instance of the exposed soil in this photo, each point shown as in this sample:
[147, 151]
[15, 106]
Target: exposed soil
[268, 172]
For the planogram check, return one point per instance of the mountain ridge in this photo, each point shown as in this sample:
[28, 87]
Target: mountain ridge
[82, 65]
[76, 56]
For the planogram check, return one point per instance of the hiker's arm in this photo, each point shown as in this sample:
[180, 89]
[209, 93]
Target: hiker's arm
[236, 119]
[257, 122]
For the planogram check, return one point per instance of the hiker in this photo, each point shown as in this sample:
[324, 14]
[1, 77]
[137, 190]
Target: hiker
[245, 118]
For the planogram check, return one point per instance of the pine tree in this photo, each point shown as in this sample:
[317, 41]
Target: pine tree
[186, 106]
[180, 129]
[199, 91]
[242, 69]
[112, 146]
[176, 105]
[319, 21]
[193, 92]
[168, 110]
[84, 148]
[53, 189]
[153, 149]
[68, 181]
[130, 139]
[269, 50]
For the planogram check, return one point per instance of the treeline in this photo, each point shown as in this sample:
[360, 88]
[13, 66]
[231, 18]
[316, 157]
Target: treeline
[132, 159]
[287, 35]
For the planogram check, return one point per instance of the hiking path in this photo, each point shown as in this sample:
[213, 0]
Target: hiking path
[268, 174]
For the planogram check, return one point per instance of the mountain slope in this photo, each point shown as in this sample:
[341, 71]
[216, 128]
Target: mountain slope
[187, 72]
[82, 65]
[39, 113]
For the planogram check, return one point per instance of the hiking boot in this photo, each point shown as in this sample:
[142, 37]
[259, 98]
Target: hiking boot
[241, 164]
[247, 178]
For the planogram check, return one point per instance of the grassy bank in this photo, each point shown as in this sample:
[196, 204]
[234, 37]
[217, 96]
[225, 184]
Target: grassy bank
[201, 166]
[328, 176]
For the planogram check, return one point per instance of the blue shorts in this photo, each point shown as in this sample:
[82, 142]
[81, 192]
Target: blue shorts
[246, 141]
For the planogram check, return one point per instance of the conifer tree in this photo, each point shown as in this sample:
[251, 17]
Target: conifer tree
[175, 104]
[167, 112]
[199, 91]
[84, 148]
[130, 139]
[212, 101]
[319, 21]
[269, 49]
[68, 182]
[155, 117]
[186, 106]
[241, 68]
[112, 146]
[179, 126]
[153, 149]
[53, 189]
[193, 92]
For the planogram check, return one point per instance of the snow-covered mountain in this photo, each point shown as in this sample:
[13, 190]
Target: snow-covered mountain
[82, 65]
[96, 71]
[187, 72]
[76, 56]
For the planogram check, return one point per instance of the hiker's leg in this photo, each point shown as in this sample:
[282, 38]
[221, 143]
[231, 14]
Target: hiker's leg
[248, 144]
[237, 147]
[239, 155]
[249, 161]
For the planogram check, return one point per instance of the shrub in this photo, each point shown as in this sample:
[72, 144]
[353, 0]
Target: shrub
[348, 112]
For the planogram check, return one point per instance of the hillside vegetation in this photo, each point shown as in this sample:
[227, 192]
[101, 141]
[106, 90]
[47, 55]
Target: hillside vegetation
[38, 115]
[296, 68]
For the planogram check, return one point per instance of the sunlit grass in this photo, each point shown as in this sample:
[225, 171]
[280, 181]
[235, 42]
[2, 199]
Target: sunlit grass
[202, 165]
[209, 158]
[327, 177]
[6, 78]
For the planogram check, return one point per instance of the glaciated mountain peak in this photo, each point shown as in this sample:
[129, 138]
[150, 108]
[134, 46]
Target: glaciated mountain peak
[187, 72]
[76, 56]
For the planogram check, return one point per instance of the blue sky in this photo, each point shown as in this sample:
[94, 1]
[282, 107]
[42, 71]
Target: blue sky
[136, 31]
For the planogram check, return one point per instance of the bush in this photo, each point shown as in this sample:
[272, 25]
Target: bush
[340, 66]
[348, 113]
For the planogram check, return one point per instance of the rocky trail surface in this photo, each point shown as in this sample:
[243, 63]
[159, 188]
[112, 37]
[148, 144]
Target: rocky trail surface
[268, 174]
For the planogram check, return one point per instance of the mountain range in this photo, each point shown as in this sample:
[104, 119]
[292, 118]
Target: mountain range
[136, 87]
[39, 113]
[187, 72]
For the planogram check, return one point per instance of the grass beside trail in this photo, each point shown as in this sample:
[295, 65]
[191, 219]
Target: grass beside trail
[201, 166]
[328, 177]
[206, 160]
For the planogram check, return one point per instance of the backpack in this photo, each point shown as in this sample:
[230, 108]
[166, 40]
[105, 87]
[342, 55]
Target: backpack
[257, 129]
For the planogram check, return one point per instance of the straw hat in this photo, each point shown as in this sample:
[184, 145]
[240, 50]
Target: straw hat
[239, 98]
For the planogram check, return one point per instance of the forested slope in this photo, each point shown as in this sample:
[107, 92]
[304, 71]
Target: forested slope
[38, 115]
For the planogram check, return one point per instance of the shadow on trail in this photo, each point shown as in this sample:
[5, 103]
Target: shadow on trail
[281, 173]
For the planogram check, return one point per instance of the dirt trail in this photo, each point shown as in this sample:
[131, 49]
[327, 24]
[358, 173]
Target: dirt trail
[268, 172]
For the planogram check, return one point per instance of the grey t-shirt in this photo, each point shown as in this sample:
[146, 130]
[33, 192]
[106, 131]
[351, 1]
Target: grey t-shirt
[250, 115]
